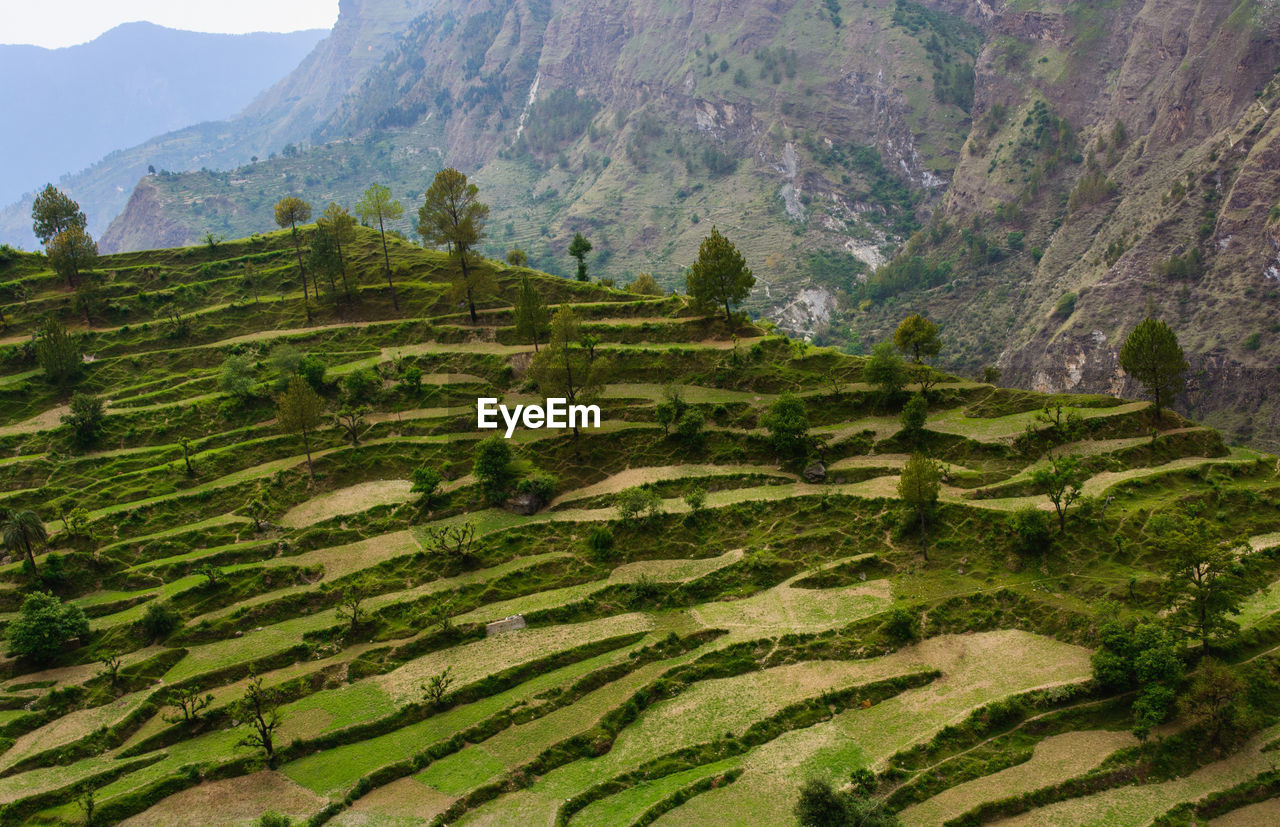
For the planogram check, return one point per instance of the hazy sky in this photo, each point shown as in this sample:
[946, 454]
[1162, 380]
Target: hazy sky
[55, 23]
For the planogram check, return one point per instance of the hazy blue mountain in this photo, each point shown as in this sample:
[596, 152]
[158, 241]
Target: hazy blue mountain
[69, 107]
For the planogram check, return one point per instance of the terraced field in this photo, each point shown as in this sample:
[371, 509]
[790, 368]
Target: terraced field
[697, 668]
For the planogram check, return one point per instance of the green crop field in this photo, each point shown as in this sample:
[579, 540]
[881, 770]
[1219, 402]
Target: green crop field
[756, 624]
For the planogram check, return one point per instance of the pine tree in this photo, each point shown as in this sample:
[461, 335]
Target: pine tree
[54, 212]
[452, 216]
[578, 248]
[378, 205]
[720, 277]
[1153, 356]
[918, 488]
[299, 411]
[531, 314]
[290, 212]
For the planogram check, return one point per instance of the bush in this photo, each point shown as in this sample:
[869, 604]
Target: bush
[159, 621]
[902, 625]
[600, 541]
[689, 425]
[788, 425]
[236, 376]
[1066, 306]
[540, 484]
[361, 386]
[1031, 529]
[492, 468]
[312, 370]
[271, 819]
[85, 419]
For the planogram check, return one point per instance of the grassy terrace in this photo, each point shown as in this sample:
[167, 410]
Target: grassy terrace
[697, 670]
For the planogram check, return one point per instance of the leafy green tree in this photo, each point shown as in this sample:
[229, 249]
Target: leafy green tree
[1031, 531]
[57, 353]
[531, 314]
[85, 418]
[1153, 356]
[299, 411]
[1143, 656]
[788, 424]
[1205, 582]
[918, 336]
[914, 416]
[646, 285]
[71, 252]
[517, 257]
[492, 467]
[885, 369]
[21, 531]
[54, 212]
[820, 805]
[44, 626]
[378, 205]
[452, 216]
[578, 248]
[918, 488]
[637, 502]
[291, 211]
[1062, 482]
[720, 276]
[566, 367]
[236, 376]
[1216, 704]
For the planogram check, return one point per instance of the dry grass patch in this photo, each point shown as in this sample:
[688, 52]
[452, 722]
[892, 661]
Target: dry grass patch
[231, 801]
[350, 500]
[1262, 814]
[403, 800]
[485, 657]
[785, 609]
[977, 669]
[1138, 804]
[1056, 758]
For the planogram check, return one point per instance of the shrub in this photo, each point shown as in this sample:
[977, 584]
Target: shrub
[1066, 306]
[1031, 529]
[788, 425]
[44, 626]
[85, 419]
[600, 541]
[359, 386]
[159, 621]
[540, 484]
[492, 468]
[689, 425]
[902, 625]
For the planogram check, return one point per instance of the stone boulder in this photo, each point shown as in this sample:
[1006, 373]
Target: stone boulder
[816, 472]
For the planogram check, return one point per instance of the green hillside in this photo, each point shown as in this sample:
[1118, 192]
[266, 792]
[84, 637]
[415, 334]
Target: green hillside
[712, 620]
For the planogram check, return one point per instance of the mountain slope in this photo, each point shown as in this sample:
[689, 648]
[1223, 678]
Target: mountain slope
[821, 136]
[129, 84]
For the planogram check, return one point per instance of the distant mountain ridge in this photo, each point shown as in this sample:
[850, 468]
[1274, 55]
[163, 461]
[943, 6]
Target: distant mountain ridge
[72, 106]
